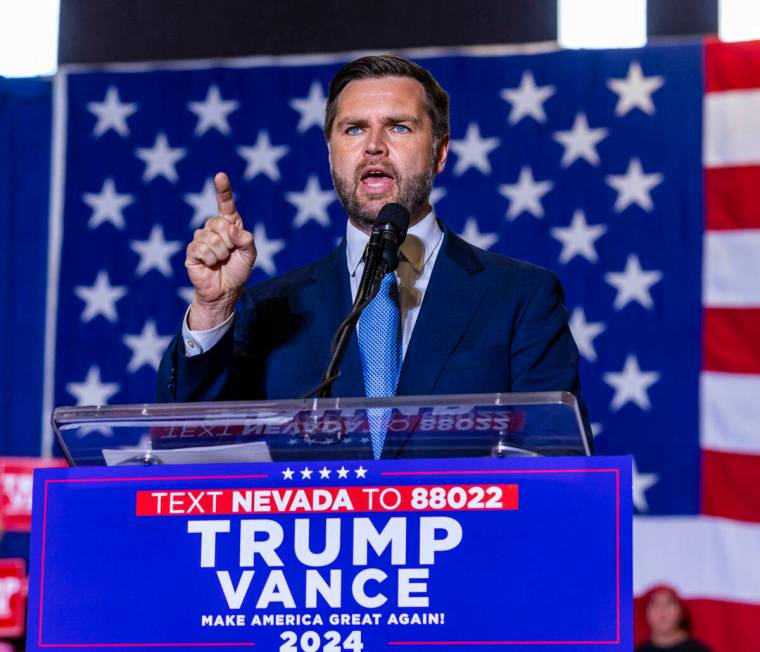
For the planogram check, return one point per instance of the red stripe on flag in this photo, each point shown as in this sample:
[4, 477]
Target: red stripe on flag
[730, 340]
[730, 487]
[731, 198]
[731, 66]
[723, 626]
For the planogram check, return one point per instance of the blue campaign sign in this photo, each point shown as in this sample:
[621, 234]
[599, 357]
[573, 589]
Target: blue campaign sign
[533, 554]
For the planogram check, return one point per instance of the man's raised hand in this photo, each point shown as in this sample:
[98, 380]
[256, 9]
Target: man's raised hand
[219, 261]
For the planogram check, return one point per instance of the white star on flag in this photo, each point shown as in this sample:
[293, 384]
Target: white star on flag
[635, 91]
[262, 157]
[186, 294]
[634, 187]
[580, 141]
[472, 234]
[342, 473]
[584, 333]
[633, 283]
[436, 195]
[306, 473]
[641, 483]
[107, 205]
[311, 108]
[578, 239]
[203, 204]
[147, 347]
[155, 252]
[161, 159]
[324, 473]
[473, 150]
[213, 112]
[631, 385]
[525, 194]
[92, 391]
[311, 203]
[287, 474]
[527, 99]
[361, 472]
[266, 249]
[111, 113]
[100, 298]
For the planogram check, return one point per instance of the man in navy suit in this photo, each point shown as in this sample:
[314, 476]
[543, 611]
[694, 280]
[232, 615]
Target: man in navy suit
[471, 321]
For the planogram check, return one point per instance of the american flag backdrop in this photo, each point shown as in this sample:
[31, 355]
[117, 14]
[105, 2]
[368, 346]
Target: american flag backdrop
[631, 173]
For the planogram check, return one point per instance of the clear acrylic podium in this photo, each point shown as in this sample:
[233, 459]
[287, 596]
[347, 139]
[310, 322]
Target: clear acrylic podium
[476, 425]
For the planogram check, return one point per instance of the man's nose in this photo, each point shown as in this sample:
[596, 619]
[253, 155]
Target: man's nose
[376, 144]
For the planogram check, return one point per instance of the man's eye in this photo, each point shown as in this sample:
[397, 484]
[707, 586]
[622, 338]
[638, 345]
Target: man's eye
[401, 129]
[353, 131]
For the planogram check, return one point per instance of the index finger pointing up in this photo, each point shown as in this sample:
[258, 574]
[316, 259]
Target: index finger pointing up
[225, 201]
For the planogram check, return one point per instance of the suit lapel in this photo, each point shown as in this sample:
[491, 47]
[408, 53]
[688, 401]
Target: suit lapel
[329, 300]
[453, 294]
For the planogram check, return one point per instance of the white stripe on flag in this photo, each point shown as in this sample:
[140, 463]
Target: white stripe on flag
[703, 557]
[732, 269]
[729, 406]
[732, 128]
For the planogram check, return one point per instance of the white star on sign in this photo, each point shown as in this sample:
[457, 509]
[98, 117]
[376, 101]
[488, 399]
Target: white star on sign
[161, 159]
[641, 483]
[262, 157]
[203, 204]
[111, 113]
[634, 187]
[584, 333]
[633, 283]
[311, 108]
[101, 298]
[266, 249]
[147, 347]
[578, 239]
[342, 473]
[631, 384]
[635, 91]
[580, 141]
[472, 234]
[92, 391]
[311, 203]
[306, 473]
[361, 472]
[213, 112]
[527, 99]
[473, 150]
[525, 194]
[324, 473]
[107, 205]
[155, 252]
[287, 474]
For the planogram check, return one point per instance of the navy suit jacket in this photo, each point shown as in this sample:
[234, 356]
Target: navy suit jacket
[488, 323]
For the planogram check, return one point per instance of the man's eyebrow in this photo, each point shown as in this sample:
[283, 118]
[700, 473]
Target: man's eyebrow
[391, 119]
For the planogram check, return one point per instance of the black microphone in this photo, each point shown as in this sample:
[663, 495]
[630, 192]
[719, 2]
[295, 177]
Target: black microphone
[380, 257]
[381, 254]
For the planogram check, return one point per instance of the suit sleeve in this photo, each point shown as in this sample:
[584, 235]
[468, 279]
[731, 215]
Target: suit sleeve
[544, 356]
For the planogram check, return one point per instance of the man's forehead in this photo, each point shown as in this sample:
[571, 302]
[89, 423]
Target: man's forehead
[390, 91]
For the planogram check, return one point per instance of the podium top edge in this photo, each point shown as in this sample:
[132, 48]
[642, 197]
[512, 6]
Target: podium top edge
[65, 414]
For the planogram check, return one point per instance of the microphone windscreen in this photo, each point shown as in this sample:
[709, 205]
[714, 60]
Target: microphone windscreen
[393, 214]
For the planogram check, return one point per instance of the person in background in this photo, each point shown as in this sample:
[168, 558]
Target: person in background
[668, 623]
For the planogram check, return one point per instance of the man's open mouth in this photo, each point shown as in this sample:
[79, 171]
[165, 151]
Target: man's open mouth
[376, 179]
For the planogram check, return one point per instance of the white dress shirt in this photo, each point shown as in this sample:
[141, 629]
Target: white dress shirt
[418, 255]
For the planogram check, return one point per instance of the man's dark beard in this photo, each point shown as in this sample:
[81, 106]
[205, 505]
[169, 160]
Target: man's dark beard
[413, 195]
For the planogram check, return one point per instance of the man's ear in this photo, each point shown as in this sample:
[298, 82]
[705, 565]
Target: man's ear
[442, 154]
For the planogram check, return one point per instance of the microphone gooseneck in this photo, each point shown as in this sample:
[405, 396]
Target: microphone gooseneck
[380, 257]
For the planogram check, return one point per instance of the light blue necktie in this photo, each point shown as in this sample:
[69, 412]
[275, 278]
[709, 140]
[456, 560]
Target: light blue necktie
[380, 351]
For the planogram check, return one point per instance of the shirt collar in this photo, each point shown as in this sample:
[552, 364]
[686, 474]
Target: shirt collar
[421, 241]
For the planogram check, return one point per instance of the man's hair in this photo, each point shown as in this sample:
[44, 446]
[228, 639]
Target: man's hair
[388, 65]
